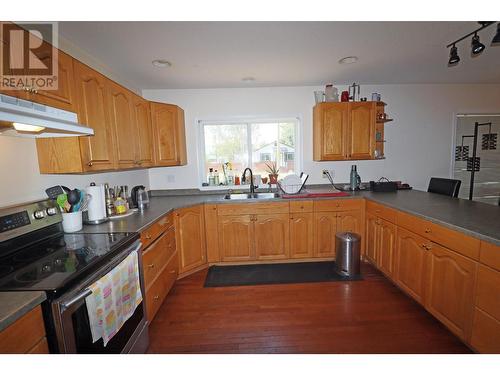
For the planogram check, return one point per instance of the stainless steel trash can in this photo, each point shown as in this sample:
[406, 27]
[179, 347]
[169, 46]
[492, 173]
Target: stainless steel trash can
[348, 252]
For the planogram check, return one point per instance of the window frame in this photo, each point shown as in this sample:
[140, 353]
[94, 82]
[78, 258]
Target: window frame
[201, 123]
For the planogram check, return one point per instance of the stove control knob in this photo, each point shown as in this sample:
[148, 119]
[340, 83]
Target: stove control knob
[40, 214]
[51, 211]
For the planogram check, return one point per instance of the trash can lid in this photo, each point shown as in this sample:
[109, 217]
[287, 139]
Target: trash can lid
[348, 236]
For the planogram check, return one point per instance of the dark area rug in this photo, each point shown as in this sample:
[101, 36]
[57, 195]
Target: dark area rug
[276, 273]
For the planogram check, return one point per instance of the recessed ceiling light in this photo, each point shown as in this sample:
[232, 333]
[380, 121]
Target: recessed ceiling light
[348, 60]
[162, 63]
[248, 79]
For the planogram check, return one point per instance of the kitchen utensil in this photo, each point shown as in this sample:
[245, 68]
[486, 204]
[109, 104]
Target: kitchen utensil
[62, 202]
[72, 221]
[54, 191]
[73, 198]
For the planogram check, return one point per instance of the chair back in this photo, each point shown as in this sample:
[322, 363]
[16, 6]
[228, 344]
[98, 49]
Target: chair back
[444, 186]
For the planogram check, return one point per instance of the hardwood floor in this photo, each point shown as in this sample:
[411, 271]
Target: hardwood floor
[368, 316]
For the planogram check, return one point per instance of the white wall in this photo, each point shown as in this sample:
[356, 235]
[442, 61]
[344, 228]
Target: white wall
[21, 181]
[418, 144]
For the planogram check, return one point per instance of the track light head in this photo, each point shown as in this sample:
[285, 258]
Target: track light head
[477, 46]
[454, 58]
[496, 38]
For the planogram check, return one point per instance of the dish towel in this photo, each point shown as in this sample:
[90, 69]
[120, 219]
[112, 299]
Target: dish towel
[114, 299]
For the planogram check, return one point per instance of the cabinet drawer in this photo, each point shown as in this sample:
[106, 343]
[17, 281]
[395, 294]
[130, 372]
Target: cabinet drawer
[488, 291]
[381, 211]
[156, 293]
[485, 333]
[157, 254]
[301, 206]
[158, 227]
[453, 240]
[22, 335]
[253, 208]
[490, 255]
[337, 205]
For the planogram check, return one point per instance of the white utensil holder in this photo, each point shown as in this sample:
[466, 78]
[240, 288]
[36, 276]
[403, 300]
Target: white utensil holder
[72, 221]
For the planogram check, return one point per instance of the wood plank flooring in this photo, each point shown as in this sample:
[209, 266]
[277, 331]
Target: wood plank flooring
[368, 316]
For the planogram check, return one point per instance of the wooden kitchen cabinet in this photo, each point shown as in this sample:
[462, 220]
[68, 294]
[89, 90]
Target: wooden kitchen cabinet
[344, 131]
[190, 238]
[272, 236]
[372, 233]
[301, 235]
[325, 228]
[410, 263]
[386, 247]
[144, 132]
[124, 126]
[169, 135]
[236, 238]
[82, 154]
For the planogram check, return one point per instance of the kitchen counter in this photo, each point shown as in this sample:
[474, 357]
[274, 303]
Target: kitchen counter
[13, 305]
[472, 218]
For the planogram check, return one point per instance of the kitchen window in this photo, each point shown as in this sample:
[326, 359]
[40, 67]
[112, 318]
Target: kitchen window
[248, 144]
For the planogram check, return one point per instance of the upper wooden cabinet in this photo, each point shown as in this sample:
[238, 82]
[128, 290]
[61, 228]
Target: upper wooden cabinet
[169, 134]
[144, 128]
[344, 131]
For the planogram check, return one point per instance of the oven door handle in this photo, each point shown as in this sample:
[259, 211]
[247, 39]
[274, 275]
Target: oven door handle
[75, 299]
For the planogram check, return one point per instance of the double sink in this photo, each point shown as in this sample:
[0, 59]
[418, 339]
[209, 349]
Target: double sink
[245, 196]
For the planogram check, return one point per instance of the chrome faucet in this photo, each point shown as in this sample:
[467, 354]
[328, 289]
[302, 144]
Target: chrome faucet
[243, 179]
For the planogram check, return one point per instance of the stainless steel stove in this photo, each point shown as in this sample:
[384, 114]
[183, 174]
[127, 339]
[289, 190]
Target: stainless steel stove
[35, 254]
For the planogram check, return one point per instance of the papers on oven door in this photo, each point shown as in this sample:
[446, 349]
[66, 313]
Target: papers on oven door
[114, 299]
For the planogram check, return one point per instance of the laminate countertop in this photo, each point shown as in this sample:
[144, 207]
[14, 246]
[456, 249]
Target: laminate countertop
[13, 305]
[476, 219]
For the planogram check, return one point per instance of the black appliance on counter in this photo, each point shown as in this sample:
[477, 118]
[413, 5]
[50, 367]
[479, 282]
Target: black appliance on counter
[35, 255]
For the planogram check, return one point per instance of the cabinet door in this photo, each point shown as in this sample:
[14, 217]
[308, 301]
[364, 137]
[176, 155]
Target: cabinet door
[325, 228]
[410, 263]
[64, 97]
[349, 221]
[169, 134]
[386, 249]
[190, 238]
[124, 128]
[272, 236]
[372, 238]
[97, 150]
[330, 127]
[450, 285]
[361, 134]
[236, 235]
[301, 235]
[144, 129]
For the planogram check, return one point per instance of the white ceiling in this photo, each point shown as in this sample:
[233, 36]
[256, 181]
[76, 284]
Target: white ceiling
[220, 54]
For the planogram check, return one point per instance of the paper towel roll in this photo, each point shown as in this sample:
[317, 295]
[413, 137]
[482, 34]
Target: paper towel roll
[97, 205]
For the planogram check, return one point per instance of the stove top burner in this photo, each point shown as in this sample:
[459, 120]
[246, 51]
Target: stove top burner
[54, 262]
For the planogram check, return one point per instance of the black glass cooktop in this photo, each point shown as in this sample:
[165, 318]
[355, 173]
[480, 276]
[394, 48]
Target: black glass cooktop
[53, 263]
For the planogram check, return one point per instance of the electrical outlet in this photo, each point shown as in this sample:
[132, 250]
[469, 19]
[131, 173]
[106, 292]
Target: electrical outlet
[324, 172]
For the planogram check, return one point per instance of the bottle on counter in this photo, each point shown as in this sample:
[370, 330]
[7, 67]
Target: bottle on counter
[211, 177]
[216, 178]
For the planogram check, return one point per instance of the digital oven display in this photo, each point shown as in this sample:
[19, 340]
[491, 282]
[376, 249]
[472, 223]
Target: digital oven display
[13, 221]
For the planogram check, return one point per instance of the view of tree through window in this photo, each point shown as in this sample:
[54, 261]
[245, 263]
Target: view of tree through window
[250, 144]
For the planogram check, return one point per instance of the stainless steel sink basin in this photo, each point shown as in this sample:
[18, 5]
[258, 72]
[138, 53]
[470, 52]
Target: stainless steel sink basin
[252, 196]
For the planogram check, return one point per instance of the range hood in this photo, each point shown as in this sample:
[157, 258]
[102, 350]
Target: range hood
[35, 120]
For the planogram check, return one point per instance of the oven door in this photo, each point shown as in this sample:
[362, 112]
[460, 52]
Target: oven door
[72, 324]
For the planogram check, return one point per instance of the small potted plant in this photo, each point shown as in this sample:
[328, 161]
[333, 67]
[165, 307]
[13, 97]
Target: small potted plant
[273, 172]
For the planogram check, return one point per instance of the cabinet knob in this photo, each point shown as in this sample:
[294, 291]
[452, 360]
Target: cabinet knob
[156, 298]
[172, 272]
[428, 230]
[148, 236]
[151, 265]
[90, 163]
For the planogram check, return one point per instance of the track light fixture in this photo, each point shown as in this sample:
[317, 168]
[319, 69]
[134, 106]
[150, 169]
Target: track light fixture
[454, 58]
[476, 46]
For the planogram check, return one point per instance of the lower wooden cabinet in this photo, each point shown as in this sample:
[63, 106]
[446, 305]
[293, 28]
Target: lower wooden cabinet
[326, 226]
[301, 235]
[386, 246]
[371, 238]
[272, 236]
[450, 281]
[410, 263]
[190, 238]
[236, 238]
[25, 335]
[485, 336]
